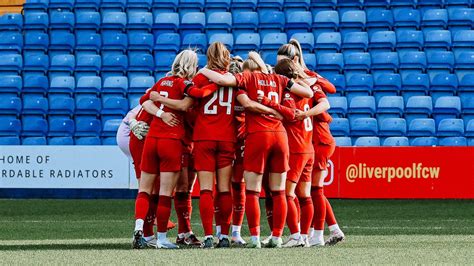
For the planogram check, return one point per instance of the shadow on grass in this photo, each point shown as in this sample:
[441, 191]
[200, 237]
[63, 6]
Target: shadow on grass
[81, 246]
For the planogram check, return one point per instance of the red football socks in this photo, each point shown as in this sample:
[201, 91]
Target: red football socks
[319, 202]
[292, 216]
[150, 217]
[269, 209]
[238, 201]
[206, 209]
[142, 203]
[280, 209]
[252, 209]
[163, 213]
[225, 211]
[307, 213]
[181, 207]
[330, 218]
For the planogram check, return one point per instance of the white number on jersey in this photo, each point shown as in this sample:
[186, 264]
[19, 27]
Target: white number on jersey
[271, 95]
[308, 124]
[210, 108]
[164, 94]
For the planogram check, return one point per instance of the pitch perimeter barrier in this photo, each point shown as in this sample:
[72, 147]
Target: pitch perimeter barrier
[355, 172]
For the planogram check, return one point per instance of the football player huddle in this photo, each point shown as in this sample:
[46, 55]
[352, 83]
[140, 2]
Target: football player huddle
[239, 127]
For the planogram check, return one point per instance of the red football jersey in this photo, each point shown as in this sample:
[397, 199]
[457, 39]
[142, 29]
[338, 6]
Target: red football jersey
[321, 132]
[215, 113]
[170, 87]
[322, 82]
[269, 85]
[300, 132]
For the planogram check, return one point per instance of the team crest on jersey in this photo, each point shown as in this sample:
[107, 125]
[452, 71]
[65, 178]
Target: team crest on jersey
[270, 83]
[167, 83]
[287, 96]
[187, 82]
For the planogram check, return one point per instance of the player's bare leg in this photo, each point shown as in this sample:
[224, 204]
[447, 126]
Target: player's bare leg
[277, 183]
[206, 206]
[181, 203]
[295, 239]
[224, 176]
[168, 181]
[142, 204]
[303, 193]
[253, 186]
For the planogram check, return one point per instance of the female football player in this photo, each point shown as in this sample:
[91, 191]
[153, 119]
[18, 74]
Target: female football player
[266, 143]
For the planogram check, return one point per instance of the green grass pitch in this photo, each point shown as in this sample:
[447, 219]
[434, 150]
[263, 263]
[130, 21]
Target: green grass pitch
[99, 232]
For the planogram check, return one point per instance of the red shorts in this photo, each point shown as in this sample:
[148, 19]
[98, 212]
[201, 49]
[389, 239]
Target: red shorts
[136, 150]
[301, 167]
[266, 151]
[213, 155]
[322, 153]
[238, 175]
[162, 155]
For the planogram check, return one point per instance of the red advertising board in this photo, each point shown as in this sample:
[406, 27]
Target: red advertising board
[401, 173]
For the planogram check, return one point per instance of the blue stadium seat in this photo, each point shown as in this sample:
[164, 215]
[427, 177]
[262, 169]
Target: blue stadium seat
[196, 41]
[61, 104]
[460, 18]
[88, 65]
[247, 5]
[12, 140]
[115, 85]
[447, 107]
[310, 60]
[396, 142]
[36, 21]
[411, 40]
[35, 83]
[64, 63]
[89, 84]
[451, 128]
[457, 3]
[219, 22]
[202, 60]
[358, 41]
[338, 106]
[390, 106]
[115, 63]
[163, 61]
[191, 5]
[11, 21]
[10, 42]
[464, 60]
[328, 42]
[463, 40]
[438, 40]
[60, 141]
[246, 21]
[415, 85]
[298, 21]
[34, 126]
[10, 126]
[384, 62]
[367, 142]
[140, 41]
[379, 19]
[383, 41]
[10, 105]
[306, 40]
[109, 128]
[339, 81]
[141, 62]
[453, 141]
[87, 4]
[114, 106]
[114, 20]
[226, 38]
[246, 42]
[61, 20]
[443, 85]
[270, 4]
[273, 41]
[35, 104]
[61, 40]
[88, 105]
[60, 127]
[325, 21]
[418, 107]
[141, 84]
[343, 141]
[94, 141]
[116, 42]
[36, 62]
[470, 129]
[358, 85]
[113, 5]
[62, 84]
[412, 60]
[331, 61]
[87, 126]
[362, 105]
[166, 22]
[87, 20]
[353, 20]
[329, 4]
[424, 142]
[168, 6]
[340, 127]
[386, 84]
[10, 84]
[429, 4]
[139, 5]
[435, 19]
[360, 62]
[422, 127]
[33, 141]
[396, 127]
[466, 83]
[271, 21]
[297, 4]
[11, 63]
[88, 42]
[36, 41]
[193, 22]
[406, 18]
[440, 60]
[140, 21]
[218, 5]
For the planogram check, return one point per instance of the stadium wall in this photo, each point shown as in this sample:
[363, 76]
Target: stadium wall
[356, 172]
